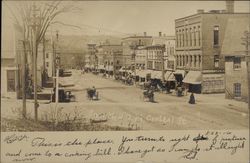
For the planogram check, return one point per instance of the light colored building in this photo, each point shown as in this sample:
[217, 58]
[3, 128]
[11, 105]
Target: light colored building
[234, 50]
[129, 45]
[199, 41]
[140, 57]
[11, 53]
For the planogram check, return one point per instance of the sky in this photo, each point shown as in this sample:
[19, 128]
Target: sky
[129, 17]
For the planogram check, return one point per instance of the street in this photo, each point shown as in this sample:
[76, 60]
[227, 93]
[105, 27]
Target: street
[123, 106]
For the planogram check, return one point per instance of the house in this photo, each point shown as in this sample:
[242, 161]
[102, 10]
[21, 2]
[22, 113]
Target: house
[11, 53]
[200, 37]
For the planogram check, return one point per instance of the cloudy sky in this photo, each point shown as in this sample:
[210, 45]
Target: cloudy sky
[129, 17]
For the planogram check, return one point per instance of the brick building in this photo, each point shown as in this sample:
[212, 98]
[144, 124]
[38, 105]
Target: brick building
[90, 58]
[199, 41]
[109, 57]
[129, 45]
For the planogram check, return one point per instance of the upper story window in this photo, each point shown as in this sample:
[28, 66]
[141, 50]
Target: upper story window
[237, 63]
[216, 35]
[47, 55]
[194, 36]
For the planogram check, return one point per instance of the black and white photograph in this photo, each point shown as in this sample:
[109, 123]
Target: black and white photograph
[124, 66]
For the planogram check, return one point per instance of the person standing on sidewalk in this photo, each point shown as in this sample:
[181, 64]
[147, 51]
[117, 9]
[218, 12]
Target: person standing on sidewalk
[191, 99]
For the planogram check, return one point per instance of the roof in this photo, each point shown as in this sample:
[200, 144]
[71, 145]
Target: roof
[206, 13]
[234, 32]
[136, 37]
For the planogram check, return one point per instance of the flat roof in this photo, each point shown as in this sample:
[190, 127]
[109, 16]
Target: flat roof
[210, 13]
[136, 37]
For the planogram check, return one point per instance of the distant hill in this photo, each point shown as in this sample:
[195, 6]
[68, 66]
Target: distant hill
[79, 43]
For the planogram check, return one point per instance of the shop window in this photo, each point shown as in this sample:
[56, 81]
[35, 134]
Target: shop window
[11, 81]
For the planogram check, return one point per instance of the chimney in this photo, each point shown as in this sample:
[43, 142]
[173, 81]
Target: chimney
[200, 11]
[159, 34]
[230, 6]
[145, 33]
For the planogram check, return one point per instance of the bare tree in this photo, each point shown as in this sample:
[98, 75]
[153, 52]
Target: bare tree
[34, 18]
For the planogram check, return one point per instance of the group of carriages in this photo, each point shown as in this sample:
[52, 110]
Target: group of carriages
[149, 85]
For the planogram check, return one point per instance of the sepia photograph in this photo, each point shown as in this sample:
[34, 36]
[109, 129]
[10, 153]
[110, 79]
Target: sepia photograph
[126, 65]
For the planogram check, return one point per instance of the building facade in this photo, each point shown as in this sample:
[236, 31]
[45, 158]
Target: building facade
[199, 41]
[140, 57]
[236, 82]
[91, 58]
[129, 45]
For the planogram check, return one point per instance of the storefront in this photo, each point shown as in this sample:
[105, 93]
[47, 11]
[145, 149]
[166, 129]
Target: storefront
[192, 81]
[213, 83]
[179, 75]
[170, 79]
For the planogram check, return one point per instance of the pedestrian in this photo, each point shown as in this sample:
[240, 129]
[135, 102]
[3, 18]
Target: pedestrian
[192, 99]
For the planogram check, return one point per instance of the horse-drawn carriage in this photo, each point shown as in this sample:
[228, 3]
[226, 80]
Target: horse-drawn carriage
[63, 95]
[92, 94]
[149, 95]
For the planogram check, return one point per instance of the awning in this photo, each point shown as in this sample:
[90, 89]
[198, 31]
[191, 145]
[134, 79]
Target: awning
[193, 77]
[169, 76]
[156, 74]
[181, 72]
[101, 67]
[109, 68]
[141, 73]
[87, 66]
[122, 69]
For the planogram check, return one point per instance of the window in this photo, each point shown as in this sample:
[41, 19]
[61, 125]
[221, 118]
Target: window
[194, 36]
[199, 36]
[11, 81]
[237, 90]
[216, 35]
[47, 55]
[216, 61]
[237, 63]
[47, 64]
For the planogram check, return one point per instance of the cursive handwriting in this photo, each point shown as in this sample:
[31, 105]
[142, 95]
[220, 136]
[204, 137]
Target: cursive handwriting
[41, 142]
[14, 138]
[189, 146]
[97, 141]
